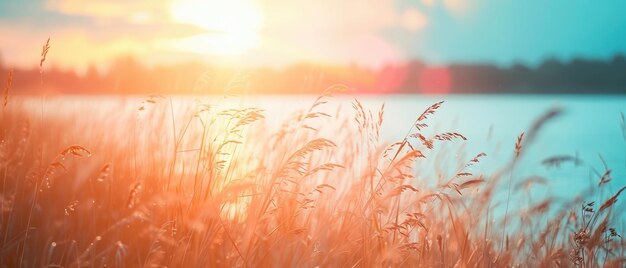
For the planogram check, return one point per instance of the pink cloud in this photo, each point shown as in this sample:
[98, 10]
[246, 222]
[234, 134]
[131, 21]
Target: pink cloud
[348, 31]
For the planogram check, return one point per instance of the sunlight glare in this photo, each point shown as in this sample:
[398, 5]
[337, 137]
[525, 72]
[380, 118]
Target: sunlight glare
[232, 27]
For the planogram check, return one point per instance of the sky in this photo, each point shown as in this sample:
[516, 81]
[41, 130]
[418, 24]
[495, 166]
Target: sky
[276, 33]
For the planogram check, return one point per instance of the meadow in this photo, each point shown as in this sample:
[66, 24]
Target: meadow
[209, 184]
[152, 138]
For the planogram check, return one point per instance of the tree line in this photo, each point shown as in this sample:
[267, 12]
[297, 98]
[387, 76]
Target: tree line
[128, 76]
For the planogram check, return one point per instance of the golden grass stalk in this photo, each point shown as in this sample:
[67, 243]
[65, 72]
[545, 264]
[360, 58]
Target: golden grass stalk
[7, 88]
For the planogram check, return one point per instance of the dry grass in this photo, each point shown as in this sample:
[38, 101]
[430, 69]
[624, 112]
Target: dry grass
[220, 189]
[7, 88]
[145, 184]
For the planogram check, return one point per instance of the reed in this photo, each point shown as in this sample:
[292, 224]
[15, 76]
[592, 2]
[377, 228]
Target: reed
[213, 185]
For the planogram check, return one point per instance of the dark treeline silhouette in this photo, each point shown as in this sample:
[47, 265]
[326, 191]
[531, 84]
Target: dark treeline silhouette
[128, 76]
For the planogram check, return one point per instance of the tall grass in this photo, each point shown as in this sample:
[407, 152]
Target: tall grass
[210, 184]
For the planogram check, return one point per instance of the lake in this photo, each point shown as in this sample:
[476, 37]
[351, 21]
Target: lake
[589, 128]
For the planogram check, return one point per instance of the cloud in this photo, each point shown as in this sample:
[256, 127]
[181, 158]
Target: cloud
[287, 31]
[336, 31]
[414, 20]
[140, 11]
[429, 3]
[458, 7]
[454, 7]
[70, 47]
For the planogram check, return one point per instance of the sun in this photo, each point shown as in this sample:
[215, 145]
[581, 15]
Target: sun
[232, 27]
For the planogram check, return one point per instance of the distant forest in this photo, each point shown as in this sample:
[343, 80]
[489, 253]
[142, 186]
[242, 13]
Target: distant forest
[128, 76]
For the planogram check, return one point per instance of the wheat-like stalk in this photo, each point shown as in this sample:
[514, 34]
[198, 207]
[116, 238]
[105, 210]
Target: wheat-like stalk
[324, 189]
[7, 88]
[44, 52]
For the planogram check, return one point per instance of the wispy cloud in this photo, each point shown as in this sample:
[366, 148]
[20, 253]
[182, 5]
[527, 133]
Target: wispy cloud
[338, 31]
[139, 11]
[266, 32]
[279, 32]
[455, 7]
[70, 48]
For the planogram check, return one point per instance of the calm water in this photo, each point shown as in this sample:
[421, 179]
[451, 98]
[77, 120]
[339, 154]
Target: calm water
[589, 128]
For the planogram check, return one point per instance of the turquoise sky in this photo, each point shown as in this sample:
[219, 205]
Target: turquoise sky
[363, 32]
[506, 31]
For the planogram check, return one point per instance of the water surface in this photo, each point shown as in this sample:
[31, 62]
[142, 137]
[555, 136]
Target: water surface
[589, 127]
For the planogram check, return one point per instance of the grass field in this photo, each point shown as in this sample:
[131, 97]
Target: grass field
[144, 184]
